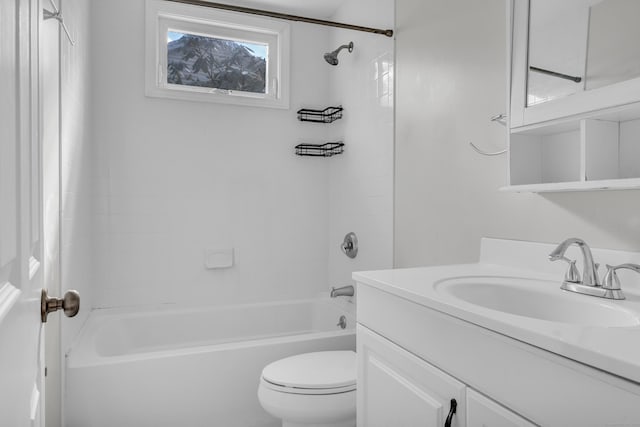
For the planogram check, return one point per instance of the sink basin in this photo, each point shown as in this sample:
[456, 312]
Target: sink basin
[537, 299]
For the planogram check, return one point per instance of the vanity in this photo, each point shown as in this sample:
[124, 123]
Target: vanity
[497, 343]
[574, 95]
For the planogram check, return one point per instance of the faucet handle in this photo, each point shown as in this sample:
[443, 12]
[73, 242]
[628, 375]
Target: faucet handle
[611, 280]
[572, 275]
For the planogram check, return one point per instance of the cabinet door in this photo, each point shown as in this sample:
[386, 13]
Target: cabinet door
[577, 29]
[398, 389]
[483, 412]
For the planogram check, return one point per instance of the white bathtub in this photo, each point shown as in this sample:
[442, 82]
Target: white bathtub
[191, 367]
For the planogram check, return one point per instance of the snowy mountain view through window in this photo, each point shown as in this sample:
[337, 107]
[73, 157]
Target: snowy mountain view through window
[208, 62]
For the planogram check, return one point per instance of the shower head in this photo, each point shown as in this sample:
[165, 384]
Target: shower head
[332, 57]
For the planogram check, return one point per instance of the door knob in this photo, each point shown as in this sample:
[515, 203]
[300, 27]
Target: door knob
[70, 304]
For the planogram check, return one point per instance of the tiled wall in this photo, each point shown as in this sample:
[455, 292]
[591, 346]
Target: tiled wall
[175, 178]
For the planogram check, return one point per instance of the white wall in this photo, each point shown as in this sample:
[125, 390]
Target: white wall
[177, 177]
[361, 180]
[451, 67]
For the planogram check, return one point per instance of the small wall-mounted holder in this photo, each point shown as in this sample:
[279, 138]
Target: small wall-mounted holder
[350, 245]
[216, 258]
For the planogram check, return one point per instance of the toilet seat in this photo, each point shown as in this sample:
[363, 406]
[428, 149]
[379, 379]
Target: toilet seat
[319, 373]
[306, 391]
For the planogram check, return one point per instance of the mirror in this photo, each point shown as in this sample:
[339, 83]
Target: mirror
[578, 45]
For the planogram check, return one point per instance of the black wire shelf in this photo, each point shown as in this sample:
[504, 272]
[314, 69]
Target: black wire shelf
[320, 150]
[328, 115]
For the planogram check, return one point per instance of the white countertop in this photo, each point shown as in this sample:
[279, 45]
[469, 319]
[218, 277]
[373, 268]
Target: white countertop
[612, 349]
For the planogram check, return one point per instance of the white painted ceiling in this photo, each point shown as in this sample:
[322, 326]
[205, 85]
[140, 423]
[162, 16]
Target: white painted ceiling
[319, 9]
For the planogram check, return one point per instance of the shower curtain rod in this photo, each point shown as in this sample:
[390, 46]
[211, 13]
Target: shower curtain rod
[388, 33]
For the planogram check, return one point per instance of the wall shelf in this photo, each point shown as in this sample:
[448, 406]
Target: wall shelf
[559, 187]
[320, 150]
[577, 155]
[328, 115]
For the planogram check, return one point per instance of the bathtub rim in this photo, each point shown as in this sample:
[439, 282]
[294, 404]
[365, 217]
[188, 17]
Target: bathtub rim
[84, 357]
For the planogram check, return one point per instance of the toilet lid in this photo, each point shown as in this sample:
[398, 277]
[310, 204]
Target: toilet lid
[320, 370]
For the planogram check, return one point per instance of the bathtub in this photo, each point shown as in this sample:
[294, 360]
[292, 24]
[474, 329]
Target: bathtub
[191, 367]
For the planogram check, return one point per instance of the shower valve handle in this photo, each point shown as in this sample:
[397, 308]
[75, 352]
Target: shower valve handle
[350, 245]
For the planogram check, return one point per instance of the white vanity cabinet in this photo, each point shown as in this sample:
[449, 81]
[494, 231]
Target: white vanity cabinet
[413, 359]
[566, 135]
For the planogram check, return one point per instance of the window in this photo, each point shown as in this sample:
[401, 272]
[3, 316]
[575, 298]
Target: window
[203, 54]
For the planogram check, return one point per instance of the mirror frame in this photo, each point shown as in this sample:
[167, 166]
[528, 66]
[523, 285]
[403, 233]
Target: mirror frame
[581, 103]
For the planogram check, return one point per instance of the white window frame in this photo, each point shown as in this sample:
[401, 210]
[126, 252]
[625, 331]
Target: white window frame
[162, 16]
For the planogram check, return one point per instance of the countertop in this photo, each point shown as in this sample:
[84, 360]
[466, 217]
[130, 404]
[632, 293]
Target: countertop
[615, 350]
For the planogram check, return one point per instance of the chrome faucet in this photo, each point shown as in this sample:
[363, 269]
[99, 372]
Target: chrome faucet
[590, 283]
[345, 291]
[589, 271]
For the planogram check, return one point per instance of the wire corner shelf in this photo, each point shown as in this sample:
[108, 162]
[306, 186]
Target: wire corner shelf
[328, 115]
[327, 149]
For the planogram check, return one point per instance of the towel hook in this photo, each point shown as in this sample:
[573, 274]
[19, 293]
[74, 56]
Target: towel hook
[57, 15]
[499, 118]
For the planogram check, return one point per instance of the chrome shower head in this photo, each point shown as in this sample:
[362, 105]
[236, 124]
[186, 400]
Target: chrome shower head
[332, 57]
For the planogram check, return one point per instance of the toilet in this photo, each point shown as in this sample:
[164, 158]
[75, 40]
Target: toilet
[311, 390]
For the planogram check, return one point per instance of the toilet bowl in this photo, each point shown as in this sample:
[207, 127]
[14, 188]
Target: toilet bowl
[311, 389]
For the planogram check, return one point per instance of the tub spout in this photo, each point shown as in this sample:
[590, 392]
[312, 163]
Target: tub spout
[345, 291]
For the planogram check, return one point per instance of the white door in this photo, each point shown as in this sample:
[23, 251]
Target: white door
[21, 332]
[398, 389]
